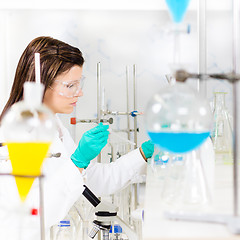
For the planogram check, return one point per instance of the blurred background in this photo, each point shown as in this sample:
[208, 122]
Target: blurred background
[117, 34]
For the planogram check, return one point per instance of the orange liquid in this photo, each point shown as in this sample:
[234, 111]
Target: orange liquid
[26, 159]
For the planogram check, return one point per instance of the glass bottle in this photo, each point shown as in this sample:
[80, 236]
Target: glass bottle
[222, 132]
[65, 231]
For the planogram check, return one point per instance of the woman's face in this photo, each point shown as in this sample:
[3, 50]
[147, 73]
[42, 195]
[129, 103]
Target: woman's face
[62, 96]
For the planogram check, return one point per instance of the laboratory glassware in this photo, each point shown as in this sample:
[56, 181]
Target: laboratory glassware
[181, 181]
[115, 232]
[178, 121]
[159, 163]
[177, 9]
[65, 231]
[185, 186]
[29, 128]
[222, 134]
[85, 211]
[124, 198]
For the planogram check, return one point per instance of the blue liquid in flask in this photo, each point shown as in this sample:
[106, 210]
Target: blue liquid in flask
[179, 142]
[177, 9]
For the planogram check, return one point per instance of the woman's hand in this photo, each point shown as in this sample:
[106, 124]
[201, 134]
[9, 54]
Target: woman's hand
[90, 145]
[147, 149]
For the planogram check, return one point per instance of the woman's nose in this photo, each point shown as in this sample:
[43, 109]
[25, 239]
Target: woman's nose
[79, 93]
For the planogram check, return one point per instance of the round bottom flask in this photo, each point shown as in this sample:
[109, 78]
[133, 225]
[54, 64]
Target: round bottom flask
[178, 121]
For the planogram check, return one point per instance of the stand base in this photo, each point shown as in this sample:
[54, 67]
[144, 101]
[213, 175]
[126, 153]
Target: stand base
[232, 222]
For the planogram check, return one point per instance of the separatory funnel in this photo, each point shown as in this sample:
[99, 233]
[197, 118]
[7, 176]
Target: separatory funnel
[177, 9]
[28, 128]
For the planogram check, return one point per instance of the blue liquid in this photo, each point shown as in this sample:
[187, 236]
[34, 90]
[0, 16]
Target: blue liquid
[177, 9]
[178, 142]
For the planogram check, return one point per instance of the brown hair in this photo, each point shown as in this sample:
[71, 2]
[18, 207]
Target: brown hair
[56, 57]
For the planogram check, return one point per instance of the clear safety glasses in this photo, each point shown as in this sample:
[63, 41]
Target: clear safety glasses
[69, 89]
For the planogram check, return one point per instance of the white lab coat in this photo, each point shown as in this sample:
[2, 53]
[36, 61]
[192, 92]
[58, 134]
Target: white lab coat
[63, 185]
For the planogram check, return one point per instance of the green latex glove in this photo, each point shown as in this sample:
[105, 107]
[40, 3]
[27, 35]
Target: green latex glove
[90, 145]
[148, 148]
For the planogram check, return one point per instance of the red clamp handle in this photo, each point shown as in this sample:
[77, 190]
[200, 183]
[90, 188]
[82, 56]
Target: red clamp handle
[73, 121]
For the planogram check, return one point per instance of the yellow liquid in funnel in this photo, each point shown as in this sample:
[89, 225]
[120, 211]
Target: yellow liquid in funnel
[26, 159]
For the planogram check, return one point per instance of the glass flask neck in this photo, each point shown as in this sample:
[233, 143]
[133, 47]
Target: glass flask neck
[219, 100]
[33, 93]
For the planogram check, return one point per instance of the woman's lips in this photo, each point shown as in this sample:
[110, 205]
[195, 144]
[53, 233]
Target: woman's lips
[74, 104]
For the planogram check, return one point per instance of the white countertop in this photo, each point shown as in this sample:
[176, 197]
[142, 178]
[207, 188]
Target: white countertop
[156, 226]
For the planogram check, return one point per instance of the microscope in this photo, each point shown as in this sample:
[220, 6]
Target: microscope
[105, 213]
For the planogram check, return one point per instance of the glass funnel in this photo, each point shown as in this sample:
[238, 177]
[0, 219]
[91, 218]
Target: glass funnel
[177, 9]
[28, 128]
[178, 119]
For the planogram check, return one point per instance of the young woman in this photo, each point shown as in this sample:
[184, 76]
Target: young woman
[61, 74]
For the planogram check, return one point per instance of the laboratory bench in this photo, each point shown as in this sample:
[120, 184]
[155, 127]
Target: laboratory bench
[157, 227]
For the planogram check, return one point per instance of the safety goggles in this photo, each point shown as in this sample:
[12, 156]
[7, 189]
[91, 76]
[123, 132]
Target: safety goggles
[69, 89]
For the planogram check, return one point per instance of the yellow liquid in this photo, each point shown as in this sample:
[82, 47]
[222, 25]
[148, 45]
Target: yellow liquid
[26, 159]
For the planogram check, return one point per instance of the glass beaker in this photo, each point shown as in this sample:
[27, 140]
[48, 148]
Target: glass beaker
[123, 198]
[185, 186]
[222, 133]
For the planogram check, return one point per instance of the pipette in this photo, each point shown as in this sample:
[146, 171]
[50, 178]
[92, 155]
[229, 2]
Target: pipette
[122, 138]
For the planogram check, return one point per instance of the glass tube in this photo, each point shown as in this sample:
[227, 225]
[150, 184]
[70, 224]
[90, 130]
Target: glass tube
[222, 131]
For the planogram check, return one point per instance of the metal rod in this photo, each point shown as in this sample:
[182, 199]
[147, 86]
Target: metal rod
[99, 99]
[135, 102]
[235, 151]
[235, 112]
[176, 56]
[122, 113]
[98, 91]
[124, 130]
[235, 10]
[182, 75]
[135, 128]
[41, 208]
[127, 93]
[202, 84]
[19, 175]
[109, 120]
